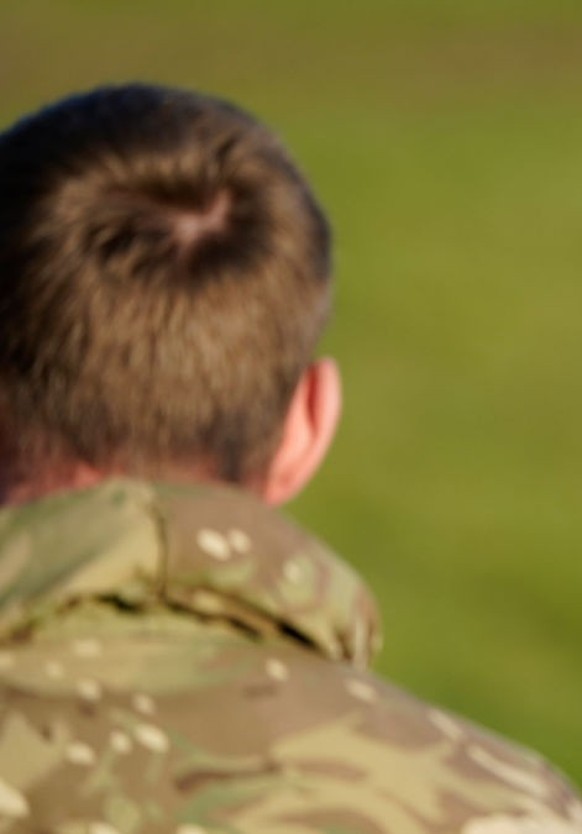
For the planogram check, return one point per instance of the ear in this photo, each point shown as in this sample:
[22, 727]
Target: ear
[310, 427]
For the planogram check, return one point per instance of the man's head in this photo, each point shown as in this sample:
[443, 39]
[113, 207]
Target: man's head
[164, 278]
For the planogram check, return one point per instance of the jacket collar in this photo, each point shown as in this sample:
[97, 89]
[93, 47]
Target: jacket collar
[216, 553]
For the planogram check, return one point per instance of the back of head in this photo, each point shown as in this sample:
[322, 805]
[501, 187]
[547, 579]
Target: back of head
[163, 281]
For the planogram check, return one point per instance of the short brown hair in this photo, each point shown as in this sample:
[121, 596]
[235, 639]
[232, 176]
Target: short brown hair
[164, 278]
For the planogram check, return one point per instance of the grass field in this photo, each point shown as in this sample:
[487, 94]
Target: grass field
[446, 140]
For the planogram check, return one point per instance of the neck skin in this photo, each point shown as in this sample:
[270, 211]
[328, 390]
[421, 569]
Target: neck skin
[21, 488]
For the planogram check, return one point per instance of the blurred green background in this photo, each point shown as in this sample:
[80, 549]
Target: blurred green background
[445, 138]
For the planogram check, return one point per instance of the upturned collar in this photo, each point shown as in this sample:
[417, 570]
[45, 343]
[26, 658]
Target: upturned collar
[214, 552]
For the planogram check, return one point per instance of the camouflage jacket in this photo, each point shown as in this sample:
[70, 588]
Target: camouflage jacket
[185, 661]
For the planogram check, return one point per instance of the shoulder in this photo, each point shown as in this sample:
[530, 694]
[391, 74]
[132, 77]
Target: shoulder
[403, 765]
[204, 728]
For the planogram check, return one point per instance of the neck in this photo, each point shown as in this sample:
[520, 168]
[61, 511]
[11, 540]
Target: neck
[16, 488]
[21, 487]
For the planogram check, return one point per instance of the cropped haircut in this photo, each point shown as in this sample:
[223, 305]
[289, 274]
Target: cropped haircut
[164, 279]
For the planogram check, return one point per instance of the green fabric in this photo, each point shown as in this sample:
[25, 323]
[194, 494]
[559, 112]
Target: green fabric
[185, 660]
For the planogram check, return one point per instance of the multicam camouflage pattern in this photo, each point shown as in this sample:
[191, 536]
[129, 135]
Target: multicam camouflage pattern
[183, 661]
